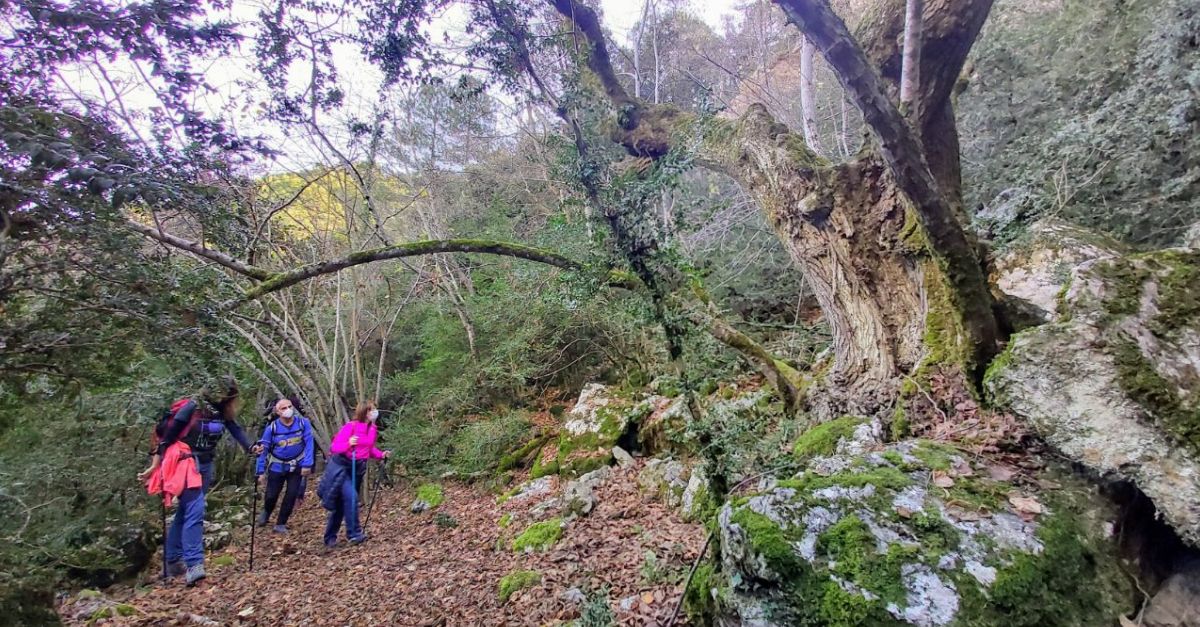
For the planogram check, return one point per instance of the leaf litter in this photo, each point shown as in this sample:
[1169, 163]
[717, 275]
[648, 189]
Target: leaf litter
[413, 572]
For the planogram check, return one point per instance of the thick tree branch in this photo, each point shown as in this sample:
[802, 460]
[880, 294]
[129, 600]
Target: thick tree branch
[905, 158]
[282, 280]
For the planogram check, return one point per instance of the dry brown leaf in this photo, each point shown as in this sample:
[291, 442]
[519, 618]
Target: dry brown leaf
[1025, 504]
[942, 480]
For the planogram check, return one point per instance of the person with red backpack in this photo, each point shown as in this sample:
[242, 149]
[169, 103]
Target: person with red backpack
[200, 423]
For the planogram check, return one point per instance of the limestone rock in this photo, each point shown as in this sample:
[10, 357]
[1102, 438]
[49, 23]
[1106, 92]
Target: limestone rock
[535, 487]
[579, 496]
[664, 480]
[697, 498]
[624, 459]
[1115, 384]
[1177, 603]
[594, 426]
[1036, 269]
[875, 543]
[1191, 238]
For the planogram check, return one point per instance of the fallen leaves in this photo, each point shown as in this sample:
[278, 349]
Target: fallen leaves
[1026, 506]
[411, 572]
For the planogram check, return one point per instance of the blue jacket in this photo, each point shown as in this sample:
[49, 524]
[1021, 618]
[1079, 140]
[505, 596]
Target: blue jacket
[286, 448]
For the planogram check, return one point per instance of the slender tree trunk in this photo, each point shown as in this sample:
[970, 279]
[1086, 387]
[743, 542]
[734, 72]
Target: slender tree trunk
[910, 72]
[808, 98]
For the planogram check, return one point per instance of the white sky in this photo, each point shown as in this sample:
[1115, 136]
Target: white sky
[235, 82]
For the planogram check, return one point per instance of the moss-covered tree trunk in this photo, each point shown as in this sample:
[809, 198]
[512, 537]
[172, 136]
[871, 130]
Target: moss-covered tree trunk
[880, 237]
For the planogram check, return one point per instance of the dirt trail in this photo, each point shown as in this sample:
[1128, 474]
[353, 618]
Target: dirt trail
[415, 572]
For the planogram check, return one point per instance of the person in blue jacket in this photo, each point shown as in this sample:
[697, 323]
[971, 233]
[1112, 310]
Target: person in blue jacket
[286, 458]
[200, 423]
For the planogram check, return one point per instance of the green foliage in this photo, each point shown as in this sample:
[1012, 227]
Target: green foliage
[444, 521]
[597, 612]
[539, 536]
[655, 572]
[516, 581]
[431, 493]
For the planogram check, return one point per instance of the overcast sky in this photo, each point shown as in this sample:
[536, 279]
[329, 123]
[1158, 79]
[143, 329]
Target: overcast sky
[235, 83]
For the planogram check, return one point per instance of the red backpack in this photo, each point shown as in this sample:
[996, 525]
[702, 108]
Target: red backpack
[161, 428]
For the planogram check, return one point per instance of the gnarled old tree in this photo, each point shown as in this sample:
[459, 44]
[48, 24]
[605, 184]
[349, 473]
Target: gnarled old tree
[879, 237]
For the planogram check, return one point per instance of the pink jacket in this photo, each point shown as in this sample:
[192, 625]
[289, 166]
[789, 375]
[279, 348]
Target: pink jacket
[176, 472]
[365, 449]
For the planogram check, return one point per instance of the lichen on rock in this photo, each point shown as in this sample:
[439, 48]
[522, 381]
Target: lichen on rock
[1115, 383]
[871, 541]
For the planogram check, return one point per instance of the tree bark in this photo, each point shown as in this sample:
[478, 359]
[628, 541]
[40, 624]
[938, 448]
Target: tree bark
[879, 237]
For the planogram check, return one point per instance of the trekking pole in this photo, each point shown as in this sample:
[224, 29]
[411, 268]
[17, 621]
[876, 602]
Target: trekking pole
[253, 519]
[162, 505]
[374, 493]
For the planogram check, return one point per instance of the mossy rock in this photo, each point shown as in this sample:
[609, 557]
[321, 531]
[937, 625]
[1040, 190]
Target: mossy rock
[600, 417]
[823, 438]
[1115, 384]
[516, 581]
[429, 496]
[869, 539]
[539, 536]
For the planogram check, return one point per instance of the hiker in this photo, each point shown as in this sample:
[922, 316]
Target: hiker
[199, 423]
[349, 451]
[286, 458]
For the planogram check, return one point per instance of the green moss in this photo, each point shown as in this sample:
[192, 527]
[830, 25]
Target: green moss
[223, 560]
[850, 545]
[823, 438]
[124, 609]
[1178, 297]
[697, 597]
[899, 427]
[880, 477]
[894, 458]
[1000, 363]
[769, 540]
[934, 456]
[505, 521]
[1064, 585]
[542, 468]
[936, 534]
[1142, 383]
[946, 339]
[431, 493]
[539, 536]
[516, 581]
[517, 458]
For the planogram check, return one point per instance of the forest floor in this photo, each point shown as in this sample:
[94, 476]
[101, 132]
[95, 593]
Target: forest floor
[415, 571]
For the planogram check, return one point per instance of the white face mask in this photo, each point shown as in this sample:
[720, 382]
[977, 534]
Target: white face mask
[288, 413]
[373, 415]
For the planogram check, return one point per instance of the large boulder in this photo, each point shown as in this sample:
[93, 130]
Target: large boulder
[1114, 384]
[910, 534]
[1034, 270]
[593, 427]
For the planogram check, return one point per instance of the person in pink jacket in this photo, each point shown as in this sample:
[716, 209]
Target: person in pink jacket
[353, 445]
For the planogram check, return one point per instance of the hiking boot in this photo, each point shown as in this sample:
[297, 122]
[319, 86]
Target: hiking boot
[279, 529]
[359, 539]
[262, 520]
[175, 569]
[195, 574]
[330, 547]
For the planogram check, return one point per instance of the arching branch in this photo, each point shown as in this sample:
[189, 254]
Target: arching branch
[282, 280]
